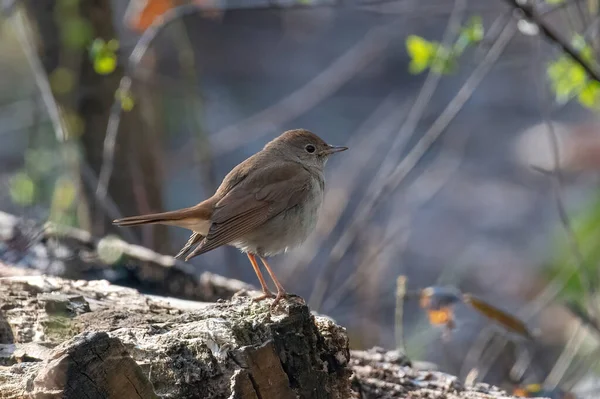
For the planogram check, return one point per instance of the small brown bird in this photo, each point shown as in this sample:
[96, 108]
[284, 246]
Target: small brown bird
[266, 205]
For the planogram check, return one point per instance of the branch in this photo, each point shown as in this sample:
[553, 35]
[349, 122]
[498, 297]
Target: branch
[531, 13]
[367, 209]
[400, 141]
[327, 82]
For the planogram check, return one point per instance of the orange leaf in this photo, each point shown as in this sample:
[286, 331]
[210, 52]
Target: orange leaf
[508, 321]
[440, 316]
[142, 13]
[521, 393]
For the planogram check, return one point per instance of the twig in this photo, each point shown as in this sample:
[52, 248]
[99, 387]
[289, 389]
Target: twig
[43, 84]
[327, 82]
[418, 192]
[582, 367]
[406, 131]
[39, 74]
[530, 12]
[411, 159]
[566, 358]
[588, 280]
[112, 128]
[400, 294]
[108, 205]
[551, 291]
[369, 137]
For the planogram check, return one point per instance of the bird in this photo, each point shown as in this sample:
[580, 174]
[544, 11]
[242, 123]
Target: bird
[265, 206]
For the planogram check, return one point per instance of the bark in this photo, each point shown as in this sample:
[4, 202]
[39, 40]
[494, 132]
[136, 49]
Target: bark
[90, 339]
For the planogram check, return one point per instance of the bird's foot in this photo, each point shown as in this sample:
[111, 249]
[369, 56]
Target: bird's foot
[280, 295]
[264, 296]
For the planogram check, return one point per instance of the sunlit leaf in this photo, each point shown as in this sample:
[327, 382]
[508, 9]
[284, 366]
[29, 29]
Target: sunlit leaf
[416, 67]
[567, 78]
[106, 63]
[473, 29]
[589, 95]
[421, 53]
[22, 189]
[555, 1]
[126, 99]
[577, 75]
[442, 59]
[103, 55]
[444, 62]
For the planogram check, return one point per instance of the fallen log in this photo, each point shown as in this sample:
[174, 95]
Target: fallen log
[90, 339]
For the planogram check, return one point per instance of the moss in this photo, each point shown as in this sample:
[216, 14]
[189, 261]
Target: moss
[59, 328]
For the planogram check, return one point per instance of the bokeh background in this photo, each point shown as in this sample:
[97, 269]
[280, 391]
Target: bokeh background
[455, 112]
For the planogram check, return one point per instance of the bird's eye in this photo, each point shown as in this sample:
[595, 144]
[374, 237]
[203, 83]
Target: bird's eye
[310, 148]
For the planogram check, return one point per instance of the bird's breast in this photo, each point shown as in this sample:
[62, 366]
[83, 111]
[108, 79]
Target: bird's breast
[288, 229]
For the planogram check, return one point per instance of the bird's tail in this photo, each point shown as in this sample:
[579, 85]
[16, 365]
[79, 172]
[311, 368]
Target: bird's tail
[187, 218]
[153, 218]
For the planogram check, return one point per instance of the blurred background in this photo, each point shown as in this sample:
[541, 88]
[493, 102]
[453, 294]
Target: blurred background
[457, 114]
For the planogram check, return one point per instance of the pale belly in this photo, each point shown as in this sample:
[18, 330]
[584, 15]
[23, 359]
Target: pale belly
[285, 231]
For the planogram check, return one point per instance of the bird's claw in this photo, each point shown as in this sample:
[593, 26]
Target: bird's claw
[263, 296]
[280, 295]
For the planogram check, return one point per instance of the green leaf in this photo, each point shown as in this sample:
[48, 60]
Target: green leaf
[421, 52]
[103, 55]
[105, 64]
[567, 78]
[473, 29]
[76, 32]
[126, 99]
[586, 228]
[445, 61]
[577, 75]
[22, 189]
[588, 97]
[555, 1]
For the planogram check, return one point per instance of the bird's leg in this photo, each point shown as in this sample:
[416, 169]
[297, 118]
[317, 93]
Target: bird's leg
[266, 292]
[281, 293]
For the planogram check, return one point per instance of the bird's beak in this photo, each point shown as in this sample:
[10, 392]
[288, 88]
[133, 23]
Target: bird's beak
[332, 149]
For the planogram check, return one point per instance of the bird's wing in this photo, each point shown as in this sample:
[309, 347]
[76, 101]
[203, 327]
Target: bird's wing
[264, 194]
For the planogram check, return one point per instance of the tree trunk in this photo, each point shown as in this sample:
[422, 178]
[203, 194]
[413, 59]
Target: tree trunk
[136, 184]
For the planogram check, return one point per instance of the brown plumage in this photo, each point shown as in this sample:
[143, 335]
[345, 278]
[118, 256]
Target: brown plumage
[264, 206]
